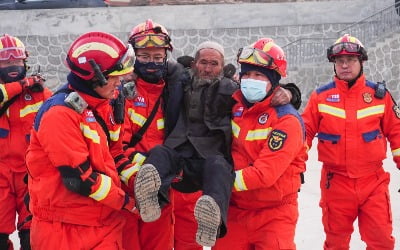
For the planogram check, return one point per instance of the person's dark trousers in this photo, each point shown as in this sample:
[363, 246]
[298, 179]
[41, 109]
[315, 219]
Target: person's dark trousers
[213, 175]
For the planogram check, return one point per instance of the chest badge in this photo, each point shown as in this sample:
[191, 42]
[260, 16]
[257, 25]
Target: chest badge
[89, 116]
[140, 102]
[238, 112]
[333, 98]
[27, 97]
[367, 97]
[263, 118]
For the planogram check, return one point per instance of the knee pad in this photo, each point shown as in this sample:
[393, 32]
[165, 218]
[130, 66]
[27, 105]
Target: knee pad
[24, 239]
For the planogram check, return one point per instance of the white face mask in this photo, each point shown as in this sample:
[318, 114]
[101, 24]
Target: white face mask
[253, 90]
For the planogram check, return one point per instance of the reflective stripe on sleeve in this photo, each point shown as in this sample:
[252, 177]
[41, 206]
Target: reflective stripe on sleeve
[104, 188]
[90, 133]
[126, 174]
[239, 184]
[235, 129]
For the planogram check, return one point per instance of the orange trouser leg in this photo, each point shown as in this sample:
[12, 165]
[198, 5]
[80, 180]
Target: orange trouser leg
[12, 192]
[261, 229]
[159, 234]
[56, 235]
[375, 216]
[185, 224]
[130, 235]
[345, 199]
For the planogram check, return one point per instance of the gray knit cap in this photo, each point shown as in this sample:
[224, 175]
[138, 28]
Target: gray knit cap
[211, 45]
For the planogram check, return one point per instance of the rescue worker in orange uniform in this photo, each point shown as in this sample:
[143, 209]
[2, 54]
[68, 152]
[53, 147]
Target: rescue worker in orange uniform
[159, 91]
[75, 156]
[200, 145]
[20, 99]
[352, 118]
[268, 151]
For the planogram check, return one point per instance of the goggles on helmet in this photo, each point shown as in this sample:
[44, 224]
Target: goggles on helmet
[255, 56]
[150, 40]
[347, 46]
[13, 52]
[124, 64]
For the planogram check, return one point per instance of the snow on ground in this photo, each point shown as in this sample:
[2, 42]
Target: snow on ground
[310, 234]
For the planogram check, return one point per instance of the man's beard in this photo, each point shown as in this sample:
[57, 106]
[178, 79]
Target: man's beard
[199, 81]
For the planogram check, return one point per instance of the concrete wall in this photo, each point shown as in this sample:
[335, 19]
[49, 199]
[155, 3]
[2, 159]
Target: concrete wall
[49, 33]
[383, 64]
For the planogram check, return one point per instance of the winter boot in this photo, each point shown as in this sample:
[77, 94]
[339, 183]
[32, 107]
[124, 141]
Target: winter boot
[147, 184]
[208, 218]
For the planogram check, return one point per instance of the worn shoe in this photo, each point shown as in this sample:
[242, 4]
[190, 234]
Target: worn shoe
[208, 216]
[147, 184]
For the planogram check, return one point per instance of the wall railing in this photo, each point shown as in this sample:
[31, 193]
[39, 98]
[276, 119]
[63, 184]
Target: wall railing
[368, 31]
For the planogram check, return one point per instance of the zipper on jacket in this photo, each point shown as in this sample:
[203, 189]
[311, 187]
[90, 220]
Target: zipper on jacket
[329, 177]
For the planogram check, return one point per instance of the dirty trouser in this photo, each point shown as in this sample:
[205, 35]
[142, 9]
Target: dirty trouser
[213, 175]
[262, 229]
[343, 199]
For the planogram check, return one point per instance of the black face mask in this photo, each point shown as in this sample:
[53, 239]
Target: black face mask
[5, 71]
[151, 77]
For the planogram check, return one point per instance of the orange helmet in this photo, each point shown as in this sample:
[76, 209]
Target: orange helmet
[264, 53]
[99, 52]
[347, 45]
[148, 35]
[11, 48]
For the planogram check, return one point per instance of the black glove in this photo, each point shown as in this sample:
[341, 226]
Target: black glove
[296, 94]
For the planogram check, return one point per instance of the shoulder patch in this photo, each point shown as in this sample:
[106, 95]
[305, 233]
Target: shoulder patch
[276, 140]
[396, 110]
[326, 87]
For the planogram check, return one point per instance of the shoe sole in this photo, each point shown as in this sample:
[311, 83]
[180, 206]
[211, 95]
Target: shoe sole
[147, 184]
[208, 216]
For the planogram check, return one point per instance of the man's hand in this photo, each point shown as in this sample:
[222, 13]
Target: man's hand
[34, 83]
[281, 97]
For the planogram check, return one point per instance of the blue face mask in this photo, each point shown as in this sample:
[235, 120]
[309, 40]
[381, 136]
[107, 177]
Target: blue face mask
[253, 90]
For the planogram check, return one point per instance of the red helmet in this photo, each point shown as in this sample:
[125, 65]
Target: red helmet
[102, 52]
[149, 35]
[11, 48]
[264, 53]
[347, 45]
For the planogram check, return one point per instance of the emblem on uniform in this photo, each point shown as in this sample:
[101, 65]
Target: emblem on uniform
[238, 112]
[276, 140]
[139, 102]
[333, 98]
[263, 118]
[90, 116]
[27, 97]
[367, 97]
[396, 110]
